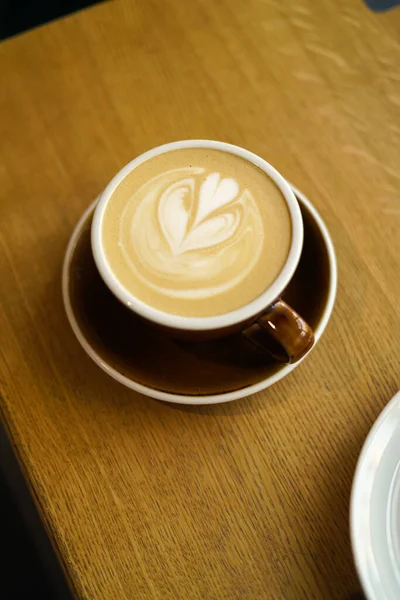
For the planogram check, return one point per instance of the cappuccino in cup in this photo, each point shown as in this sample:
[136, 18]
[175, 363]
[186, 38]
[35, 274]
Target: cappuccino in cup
[202, 238]
[196, 232]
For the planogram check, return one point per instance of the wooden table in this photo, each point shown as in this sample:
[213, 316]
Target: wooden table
[243, 500]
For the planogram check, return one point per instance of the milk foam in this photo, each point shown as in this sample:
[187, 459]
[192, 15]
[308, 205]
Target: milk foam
[191, 233]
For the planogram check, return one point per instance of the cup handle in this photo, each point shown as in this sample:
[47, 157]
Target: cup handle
[281, 332]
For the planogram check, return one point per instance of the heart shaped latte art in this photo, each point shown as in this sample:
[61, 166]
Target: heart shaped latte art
[189, 223]
[189, 233]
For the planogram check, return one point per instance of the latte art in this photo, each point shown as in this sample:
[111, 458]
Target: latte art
[196, 232]
[190, 234]
[207, 228]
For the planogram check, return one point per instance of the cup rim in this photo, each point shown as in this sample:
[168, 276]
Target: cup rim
[215, 322]
[210, 398]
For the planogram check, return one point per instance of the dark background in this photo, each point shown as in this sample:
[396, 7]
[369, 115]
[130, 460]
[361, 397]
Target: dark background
[23, 575]
[17, 16]
[29, 567]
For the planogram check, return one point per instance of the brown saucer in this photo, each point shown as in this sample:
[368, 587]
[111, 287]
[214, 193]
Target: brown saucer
[137, 354]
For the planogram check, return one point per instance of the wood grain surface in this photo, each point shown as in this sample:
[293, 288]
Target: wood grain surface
[244, 500]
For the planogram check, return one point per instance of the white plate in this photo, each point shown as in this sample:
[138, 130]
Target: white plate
[375, 507]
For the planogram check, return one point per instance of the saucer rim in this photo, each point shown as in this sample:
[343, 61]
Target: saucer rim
[210, 398]
[362, 483]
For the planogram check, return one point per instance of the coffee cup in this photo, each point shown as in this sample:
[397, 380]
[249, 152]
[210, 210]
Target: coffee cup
[201, 238]
[128, 347]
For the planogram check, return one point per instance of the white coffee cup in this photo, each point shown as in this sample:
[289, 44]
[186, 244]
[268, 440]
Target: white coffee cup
[268, 311]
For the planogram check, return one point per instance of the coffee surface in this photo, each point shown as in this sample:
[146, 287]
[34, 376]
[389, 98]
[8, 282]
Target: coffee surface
[196, 232]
